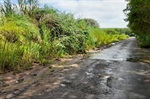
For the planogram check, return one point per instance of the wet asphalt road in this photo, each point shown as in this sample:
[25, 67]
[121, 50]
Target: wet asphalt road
[106, 75]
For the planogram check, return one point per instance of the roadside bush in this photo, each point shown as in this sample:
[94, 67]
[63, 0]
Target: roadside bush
[144, 40]
[90, 22]
[10, 56]
[19, 41]
[111, 31]
[18, 29]
[61, 24]
[103, 37]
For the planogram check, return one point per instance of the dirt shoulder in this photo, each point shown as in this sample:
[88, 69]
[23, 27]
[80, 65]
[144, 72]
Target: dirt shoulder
[31, 82]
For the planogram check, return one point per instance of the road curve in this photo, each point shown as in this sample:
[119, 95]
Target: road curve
[105, 75]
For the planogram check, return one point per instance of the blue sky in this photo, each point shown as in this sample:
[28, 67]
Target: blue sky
[108, 13]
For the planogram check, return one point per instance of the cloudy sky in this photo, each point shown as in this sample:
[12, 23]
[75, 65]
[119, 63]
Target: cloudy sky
[108, 13]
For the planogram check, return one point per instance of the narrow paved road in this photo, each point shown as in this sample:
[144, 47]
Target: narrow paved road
[113, 73]
[106, 75]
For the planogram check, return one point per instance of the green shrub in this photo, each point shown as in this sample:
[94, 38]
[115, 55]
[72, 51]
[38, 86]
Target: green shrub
[103, 37]
[144, 40]
[10, 56]
[72, 44]
[90, 22]
[19, 41]
[18, 29]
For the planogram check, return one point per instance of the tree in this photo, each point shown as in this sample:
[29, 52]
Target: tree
[138, 15]
[90, 22]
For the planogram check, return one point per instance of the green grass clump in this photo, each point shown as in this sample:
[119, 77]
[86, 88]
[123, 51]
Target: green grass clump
[10, 56]
[19, 41]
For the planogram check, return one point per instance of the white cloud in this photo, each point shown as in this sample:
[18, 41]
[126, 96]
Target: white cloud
[109, 13]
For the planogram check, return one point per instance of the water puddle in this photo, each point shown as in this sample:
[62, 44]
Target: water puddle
[116, 53]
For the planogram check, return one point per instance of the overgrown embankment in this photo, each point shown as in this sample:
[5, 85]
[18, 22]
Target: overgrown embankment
[40, 34]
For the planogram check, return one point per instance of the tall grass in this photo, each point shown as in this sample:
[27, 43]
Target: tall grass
[19, 41]
[7, 8]
[9, 56]
[15, 57]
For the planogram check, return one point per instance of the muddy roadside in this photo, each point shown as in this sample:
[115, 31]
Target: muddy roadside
[12, 84]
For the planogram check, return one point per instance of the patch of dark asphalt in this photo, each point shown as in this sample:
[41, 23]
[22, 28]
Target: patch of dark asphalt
[121, 82]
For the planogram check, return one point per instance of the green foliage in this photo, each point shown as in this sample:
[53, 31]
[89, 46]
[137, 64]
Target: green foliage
[144, 40]
[10, 56]
[139, 20]
[46, 49]
[27, 7]
[39, 13]
[105, 36]
[110, 31]
[73, 44]
[90, 22]
[40, 34]
[19, 40]
[126, 31]
[18, 29]
[15, 57]
[60, 24]
[7, 8]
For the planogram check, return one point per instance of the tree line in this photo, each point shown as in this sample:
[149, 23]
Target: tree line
[138, 16]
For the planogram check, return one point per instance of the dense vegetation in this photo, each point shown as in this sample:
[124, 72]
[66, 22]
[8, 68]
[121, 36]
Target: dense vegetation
[90, 22]
[126, 31]
[31, 34]
[139, 20]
